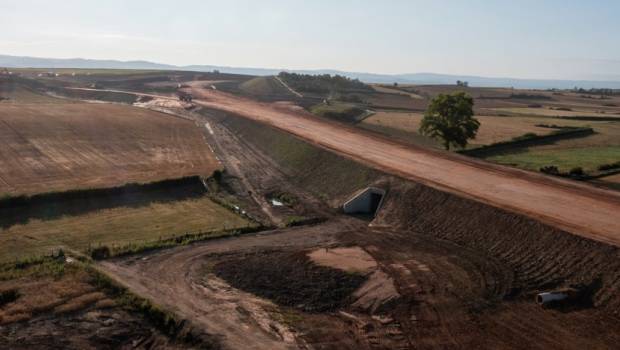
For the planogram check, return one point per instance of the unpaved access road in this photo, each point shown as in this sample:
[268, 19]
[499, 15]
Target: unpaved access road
[578, 208]
[174, 278]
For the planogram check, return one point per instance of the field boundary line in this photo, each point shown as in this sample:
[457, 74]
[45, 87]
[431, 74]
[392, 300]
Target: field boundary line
[288, 87]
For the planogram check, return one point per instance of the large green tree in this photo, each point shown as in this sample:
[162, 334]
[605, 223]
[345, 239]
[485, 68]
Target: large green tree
[450, 119]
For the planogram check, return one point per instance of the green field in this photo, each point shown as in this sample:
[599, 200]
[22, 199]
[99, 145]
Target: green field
[263, 87]
[25, 95]
[547, 112]
[116, 226]
[589, 158]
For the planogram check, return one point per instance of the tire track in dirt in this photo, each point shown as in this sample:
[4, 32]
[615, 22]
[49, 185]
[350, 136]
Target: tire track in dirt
[173, 278]
[578, 208]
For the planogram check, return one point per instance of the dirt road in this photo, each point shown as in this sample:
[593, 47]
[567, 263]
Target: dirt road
[238, 319]
[288, 87]
[581, 209]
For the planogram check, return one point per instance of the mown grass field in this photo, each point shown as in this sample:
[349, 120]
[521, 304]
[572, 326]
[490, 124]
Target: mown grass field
[589, 158]
[492, 128]
[603, 147]
[547, 112]
[117, 226]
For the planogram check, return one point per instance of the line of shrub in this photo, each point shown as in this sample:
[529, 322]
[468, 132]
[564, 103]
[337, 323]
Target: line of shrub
[610, 166]
[577, 173]
[292, 221]
[590, 118]
[524, 96]
[43, 198]
[526, 140]
[555, 126]
[101, 252]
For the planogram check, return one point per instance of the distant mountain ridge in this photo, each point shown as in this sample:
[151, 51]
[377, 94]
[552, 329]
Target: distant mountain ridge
[414, 78]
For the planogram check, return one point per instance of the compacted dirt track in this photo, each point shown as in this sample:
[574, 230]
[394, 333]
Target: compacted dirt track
[574, 207]
[235, 318]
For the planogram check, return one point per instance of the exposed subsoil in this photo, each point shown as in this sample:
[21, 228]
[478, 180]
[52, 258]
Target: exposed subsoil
[448, 272]
[290, 279]
[583, 210]
[254, 176]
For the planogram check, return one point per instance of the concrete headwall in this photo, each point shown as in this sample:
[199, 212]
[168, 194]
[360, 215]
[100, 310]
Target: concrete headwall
[366, 201]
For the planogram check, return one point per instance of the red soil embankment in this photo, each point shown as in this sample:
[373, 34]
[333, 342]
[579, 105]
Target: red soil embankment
[542, 257]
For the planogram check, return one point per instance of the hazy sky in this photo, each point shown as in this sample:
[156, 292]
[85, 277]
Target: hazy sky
[563, 39]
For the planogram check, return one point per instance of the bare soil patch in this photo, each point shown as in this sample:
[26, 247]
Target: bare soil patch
[350, 259]
[57, 147]
[290, 279]
[551, 200]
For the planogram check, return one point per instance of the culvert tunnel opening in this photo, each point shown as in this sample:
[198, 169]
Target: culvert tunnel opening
[366, 202]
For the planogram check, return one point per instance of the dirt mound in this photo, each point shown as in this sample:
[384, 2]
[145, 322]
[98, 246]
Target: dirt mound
[541, 257]
[265, 88]
[290, 279]
[351, 259]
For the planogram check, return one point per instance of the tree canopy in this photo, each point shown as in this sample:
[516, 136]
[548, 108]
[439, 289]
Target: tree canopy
[322, 83]
[450, 118]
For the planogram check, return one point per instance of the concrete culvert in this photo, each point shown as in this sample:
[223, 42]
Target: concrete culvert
[547, 298]
[367, 201]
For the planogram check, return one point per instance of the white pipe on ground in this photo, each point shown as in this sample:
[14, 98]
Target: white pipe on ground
[547, 297]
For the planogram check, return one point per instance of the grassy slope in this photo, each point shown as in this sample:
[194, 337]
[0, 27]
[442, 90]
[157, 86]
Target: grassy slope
[322, 172]
[264, 86]
[116, 226]
[342, 111]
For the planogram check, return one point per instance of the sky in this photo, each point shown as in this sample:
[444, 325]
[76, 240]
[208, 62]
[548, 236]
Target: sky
[543, 39]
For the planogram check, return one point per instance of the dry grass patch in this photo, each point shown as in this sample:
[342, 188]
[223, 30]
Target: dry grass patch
[117, 226]
[492, 128]
[70, 292]
[55, 147]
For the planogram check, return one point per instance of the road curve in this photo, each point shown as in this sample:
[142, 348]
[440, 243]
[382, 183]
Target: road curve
[575, 207]
[578, 208]
[177, 280]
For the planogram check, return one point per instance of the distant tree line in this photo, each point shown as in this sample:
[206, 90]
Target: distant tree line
[603, 92]
[323, 83]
